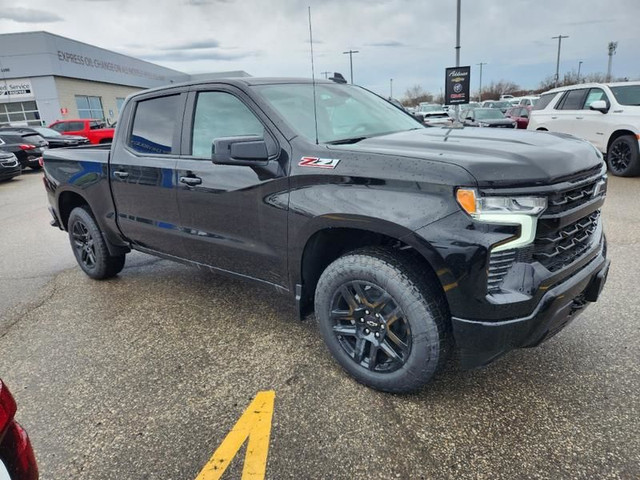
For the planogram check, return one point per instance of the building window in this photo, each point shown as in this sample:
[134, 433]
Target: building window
[119, 102]
[19, 114]
[89, 107]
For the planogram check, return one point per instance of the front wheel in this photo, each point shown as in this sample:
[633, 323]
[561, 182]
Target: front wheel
[622, 157]
[383, 320]
[90, 248]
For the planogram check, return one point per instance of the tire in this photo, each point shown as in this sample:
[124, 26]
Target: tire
[90, 248]
[375, 303]
[622, 157]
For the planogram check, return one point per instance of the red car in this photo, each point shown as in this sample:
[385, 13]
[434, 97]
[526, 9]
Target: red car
[17, 461]
[520, 114]
[95, 130]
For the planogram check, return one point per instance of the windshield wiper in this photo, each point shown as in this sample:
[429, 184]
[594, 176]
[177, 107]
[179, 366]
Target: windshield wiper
[346, 141]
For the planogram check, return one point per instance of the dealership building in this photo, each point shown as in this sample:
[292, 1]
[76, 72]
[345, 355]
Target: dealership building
[46, 77]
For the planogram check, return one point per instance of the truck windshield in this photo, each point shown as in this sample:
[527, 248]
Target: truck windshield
[627, 94]
[345, 113]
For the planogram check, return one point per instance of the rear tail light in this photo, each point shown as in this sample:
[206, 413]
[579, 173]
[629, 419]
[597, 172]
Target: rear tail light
[41, 161]
[26, 146]
[17, 453]
[7, 407]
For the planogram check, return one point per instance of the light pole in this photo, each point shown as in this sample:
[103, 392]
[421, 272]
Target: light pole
[559, 37]
[612, 51]
[480, 89]
[458, 34]
[391, 88]
[326, 74]
[350, 53]
[579, 67]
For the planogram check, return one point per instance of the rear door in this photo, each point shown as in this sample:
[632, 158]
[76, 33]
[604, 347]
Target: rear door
[234, 217]
[142, 171]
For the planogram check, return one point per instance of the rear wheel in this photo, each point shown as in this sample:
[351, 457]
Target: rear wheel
[622, 157]
[90, 248]
[383, 320]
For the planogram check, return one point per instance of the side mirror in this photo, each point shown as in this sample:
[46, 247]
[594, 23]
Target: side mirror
[599, 105]
[250, 150]
[469, 118]
[525, 115]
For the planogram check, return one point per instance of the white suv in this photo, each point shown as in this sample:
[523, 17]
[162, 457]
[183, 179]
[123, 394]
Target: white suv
[607, 115]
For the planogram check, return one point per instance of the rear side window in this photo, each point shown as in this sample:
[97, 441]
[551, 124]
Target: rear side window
[59, 127]
[218, 115]
[73, 126]
[572, 100]
[543, 101]
[154, 125]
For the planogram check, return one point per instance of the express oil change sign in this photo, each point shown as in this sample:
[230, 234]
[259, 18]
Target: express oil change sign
[457, 85]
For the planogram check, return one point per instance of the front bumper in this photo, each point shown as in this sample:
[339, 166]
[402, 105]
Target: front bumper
[481, 342]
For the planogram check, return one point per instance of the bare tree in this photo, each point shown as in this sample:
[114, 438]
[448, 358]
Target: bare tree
[415, 95]
[494, 90]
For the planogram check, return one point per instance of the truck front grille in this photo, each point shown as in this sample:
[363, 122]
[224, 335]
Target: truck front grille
[576, 196]
[559, 248]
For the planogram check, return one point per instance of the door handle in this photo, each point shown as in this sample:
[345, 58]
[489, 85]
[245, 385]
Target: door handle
[191, 181]
[554, 118]
[579, 118]
[121, 174]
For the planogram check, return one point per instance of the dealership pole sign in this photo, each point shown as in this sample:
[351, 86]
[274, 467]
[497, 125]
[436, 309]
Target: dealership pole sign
[457, 85]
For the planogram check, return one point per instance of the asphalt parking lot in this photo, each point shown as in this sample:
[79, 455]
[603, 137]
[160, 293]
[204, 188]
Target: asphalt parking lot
[143, 376]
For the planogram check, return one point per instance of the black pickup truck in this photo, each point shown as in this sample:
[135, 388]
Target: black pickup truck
[408, 242]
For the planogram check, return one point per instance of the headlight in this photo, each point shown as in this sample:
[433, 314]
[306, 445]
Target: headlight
[521, 211]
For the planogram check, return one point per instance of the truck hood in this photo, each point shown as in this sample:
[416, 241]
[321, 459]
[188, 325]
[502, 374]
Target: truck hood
[494, 157]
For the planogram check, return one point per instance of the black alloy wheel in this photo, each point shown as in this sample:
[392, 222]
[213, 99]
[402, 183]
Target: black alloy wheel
[384, 318]
[84, 245]
[622, 157]
[89, 246]
[370, 326]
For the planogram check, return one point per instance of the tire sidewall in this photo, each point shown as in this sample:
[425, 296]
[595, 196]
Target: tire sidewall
[426, 347]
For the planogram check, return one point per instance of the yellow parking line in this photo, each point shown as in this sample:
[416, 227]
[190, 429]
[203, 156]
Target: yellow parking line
[254, 424]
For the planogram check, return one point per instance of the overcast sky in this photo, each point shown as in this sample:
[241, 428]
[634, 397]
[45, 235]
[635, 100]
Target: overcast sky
[411, 41]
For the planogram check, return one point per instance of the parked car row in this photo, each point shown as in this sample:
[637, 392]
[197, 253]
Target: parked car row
[22, 147]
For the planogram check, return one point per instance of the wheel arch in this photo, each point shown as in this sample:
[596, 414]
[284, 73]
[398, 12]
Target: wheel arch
[327, 243]
[619, 133]
[68, 200]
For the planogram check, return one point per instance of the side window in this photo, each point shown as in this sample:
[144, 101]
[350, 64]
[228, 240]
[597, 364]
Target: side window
[217, 115]
[60, 127]
[154, 124]
[573, 100]
[543, 101]
[74, 126]
[594, 95]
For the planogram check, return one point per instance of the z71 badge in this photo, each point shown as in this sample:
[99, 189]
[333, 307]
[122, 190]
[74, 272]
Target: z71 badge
[319, 162]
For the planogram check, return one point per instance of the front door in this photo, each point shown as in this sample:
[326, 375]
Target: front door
[593, 123]
[233, 218]
[143, 177]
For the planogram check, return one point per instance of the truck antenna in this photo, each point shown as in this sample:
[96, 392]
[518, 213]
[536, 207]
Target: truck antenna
[313, 79]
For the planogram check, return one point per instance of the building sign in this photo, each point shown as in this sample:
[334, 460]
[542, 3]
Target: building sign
[16, 88]
[92, 62]
[457, 85]
[64, 111]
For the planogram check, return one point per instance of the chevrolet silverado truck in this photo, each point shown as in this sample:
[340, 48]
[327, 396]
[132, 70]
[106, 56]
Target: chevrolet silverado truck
[407, 242]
